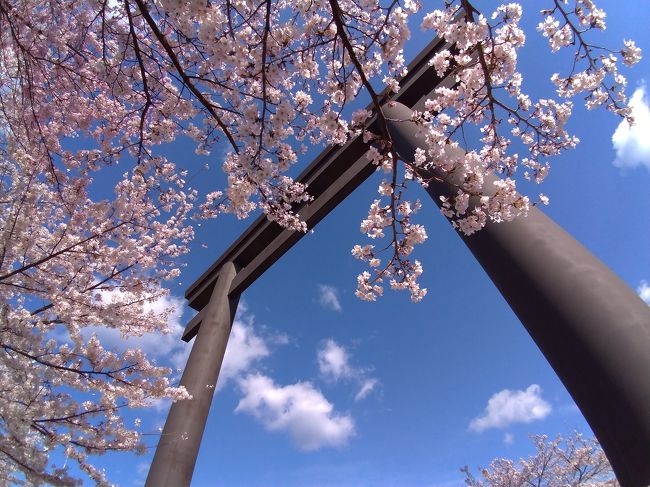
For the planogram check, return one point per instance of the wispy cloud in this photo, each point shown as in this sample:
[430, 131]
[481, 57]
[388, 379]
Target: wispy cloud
[366, 388]
[333, 361]
[632, 144]
[507, 407]
[245, 349]
[299, 409]
[508, 439]
[644, 291]
[334, 365]
[328, 297]
[141, 471]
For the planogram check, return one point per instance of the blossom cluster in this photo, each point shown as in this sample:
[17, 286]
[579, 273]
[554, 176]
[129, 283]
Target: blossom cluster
[488, 90]
[574, 460]
[70, 264]
[401, 271]
[600, 82]
[73, 111]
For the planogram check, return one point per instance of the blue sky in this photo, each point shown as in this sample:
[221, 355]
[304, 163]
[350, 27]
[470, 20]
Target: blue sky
[393, 393]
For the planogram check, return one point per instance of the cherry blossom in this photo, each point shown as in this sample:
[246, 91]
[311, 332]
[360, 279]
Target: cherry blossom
[488, 92]
[94, 91]
[574, 460]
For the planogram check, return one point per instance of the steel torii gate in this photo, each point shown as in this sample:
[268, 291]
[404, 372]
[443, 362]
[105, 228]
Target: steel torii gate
[592, 328]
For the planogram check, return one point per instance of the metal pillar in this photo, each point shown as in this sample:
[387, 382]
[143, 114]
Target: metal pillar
[592, 328]
[173, 462]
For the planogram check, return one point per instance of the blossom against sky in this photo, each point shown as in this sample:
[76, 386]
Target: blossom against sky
[320, 389]
[507, 407]
[632, 143]
[644, 291]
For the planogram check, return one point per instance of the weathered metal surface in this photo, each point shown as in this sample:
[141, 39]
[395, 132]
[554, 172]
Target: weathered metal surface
[175, 457]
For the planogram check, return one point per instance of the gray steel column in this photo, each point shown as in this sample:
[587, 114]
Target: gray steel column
[173, 462]
[593, 329]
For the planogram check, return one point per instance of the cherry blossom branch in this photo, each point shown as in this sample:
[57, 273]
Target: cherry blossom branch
[53, 255]
[179, 69]
[113, 275]
[81, 372]
[143, 74]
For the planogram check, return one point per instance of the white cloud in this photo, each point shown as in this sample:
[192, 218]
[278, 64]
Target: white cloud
[299, 409]
[333, 361]
[366, 388]
[334, 364]
[329, 297]
[507, 407]
[244, 349]
[246, 346]
[632, 144]
[508, 439]
[242, 310]
[644, 291]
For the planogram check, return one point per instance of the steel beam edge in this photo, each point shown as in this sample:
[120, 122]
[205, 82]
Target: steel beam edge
[192, 327]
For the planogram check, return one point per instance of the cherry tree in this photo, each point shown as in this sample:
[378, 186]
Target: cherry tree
[93, 91]
[574, 461]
